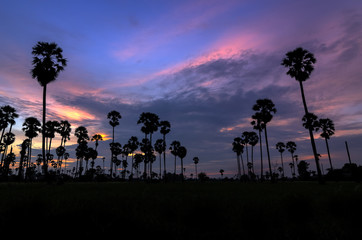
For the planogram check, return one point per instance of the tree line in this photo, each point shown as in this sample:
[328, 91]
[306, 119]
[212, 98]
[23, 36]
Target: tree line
[48, 62]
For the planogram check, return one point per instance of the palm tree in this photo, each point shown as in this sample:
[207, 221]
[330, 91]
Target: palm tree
[8, 115]
[196, 161]
[291, 147]
[133, 146]
[327, 127]
[48, 62]
[280, 146]
[150, 123]
[238, 148]
[182, 151]
[164, 130]
[81, 133]
[51, 127]
[64, 130]
[160, 148]
[300, 64]
[174, 147]
[245, 136]
[23, 158]
[221, 172]
[8, 139]
[265, 109]
[138, 158]
[96, 138]
[32, 128]
[253, 140]
[113, 117]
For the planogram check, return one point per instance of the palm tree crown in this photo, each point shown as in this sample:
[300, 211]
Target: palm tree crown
[300, 63]
[48, 61]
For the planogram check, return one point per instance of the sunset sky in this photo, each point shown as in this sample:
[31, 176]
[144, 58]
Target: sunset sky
[201, 65]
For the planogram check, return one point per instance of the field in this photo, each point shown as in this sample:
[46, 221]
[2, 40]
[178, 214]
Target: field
[189, 210]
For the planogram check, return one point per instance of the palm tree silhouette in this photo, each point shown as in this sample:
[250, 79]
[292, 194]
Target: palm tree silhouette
[291, 147]
[48, 62]
[133, 146]
[7, 115]
[174, 147]
[31, 128]
[245, 136]
[327, 127]
[81, 133]
[238, 148]
[113, 117]
[280, 146]
[160, 147]
[51, 127]
[164, 130]
[265, 109]
[64, 130]
[96, 137]
[23, 157]
[253, 140]
[196, 161]
[182, 151]
[300, 64]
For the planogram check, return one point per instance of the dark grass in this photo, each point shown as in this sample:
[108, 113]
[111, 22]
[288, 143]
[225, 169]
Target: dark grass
[189, 210]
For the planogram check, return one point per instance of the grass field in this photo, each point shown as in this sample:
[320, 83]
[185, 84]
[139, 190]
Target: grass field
[189, 210]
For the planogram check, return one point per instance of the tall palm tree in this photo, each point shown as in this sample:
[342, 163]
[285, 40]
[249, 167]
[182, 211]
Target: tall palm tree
[174, 147]
[238, 149]
[64, 130]
[23, 157]
[133, 146]
[327, 127]
[164, 130]
[160, 148]
[182, 151]
[196, 161]
[96, 137]
[259, 125]
[300, 66]
[32, 128]
[253, 140]
[291, 147]
[245, 136]
[113, 117]
[81, 133]
[51, 127]
[280, 146]
[8, 115]
[265, 109]
[48, 62]
[150, 123]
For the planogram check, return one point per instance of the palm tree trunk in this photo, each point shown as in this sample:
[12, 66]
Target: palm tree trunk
[111, 167]
[242, 163]
[316, 158]
[45, 163]
[252, 158]
[281, 159]
[164, 156]
[329, 155]
[261, 157]
[267, 150]
[238, 162]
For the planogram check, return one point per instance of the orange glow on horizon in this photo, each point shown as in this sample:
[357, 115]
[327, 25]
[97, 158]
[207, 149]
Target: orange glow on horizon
[72, 113]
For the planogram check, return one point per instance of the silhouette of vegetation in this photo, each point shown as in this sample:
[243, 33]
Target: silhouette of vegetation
[300, 66]
[48, 62]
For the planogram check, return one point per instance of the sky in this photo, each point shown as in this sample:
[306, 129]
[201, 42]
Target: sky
[201, 65]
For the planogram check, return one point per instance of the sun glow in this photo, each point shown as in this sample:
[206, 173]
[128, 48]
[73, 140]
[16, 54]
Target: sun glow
[72, 113]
